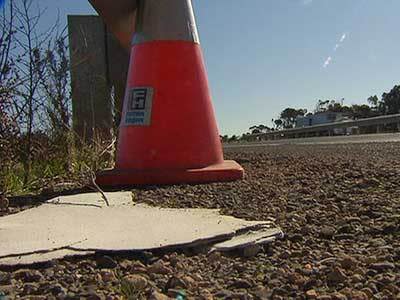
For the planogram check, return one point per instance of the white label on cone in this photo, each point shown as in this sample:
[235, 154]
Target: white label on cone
[139, 105]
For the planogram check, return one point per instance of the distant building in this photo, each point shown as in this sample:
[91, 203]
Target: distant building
[319, 119]
[326, 118]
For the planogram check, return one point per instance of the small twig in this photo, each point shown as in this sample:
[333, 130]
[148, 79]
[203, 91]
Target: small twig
[94, 186]
[97, 188]
[109, 147]
[4, 203]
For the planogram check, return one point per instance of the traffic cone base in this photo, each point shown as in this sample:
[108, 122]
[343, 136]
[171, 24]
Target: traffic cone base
[222, 172]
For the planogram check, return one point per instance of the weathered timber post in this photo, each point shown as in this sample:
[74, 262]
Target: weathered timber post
[98, 63]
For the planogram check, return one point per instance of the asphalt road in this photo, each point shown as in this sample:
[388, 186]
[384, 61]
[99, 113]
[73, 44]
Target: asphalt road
[353, 139]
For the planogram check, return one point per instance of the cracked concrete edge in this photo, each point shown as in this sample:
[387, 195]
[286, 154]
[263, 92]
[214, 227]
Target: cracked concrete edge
[248, 239]
[44, 256]
[94, 199]
[222, 243]
[41, 257]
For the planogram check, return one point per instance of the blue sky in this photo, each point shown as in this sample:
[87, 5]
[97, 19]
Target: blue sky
[265, 55]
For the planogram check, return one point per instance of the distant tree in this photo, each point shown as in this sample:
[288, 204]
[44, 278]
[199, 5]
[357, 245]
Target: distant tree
[278, 124]
[224, 138]
[373, 101]
[361, 111]
[338, 107]
[264, 128]
[233, 138]
[245, 137]
[346, 110]
[289, 115]
[333, 106]
[322, 106]
[391, 101]
[254, 130]
[257, 129]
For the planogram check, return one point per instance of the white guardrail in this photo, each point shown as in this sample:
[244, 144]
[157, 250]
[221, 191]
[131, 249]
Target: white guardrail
[329, 127]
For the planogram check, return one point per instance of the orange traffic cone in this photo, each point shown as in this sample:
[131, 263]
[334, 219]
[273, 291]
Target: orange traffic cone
[168, 133]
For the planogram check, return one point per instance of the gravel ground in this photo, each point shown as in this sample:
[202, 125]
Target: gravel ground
[338, 205]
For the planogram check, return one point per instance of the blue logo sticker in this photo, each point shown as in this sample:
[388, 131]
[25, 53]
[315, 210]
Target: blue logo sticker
[139, 106]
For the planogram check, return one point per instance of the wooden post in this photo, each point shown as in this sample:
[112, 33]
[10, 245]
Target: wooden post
[98, 63]
[118, 65]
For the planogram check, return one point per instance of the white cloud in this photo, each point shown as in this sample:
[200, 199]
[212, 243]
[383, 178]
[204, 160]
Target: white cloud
[327, 62]
[337, 46]
[307, 2]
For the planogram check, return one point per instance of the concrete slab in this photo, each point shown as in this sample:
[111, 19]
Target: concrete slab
[83, 223]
